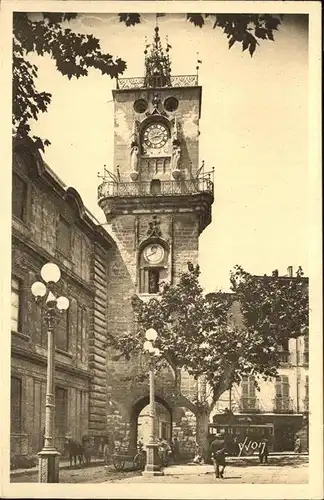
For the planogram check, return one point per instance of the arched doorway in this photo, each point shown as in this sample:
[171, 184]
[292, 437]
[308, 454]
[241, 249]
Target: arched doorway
[140, 420]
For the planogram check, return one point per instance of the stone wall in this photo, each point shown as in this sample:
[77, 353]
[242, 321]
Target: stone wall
[81, 364]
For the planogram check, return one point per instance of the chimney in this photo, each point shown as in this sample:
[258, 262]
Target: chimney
[290, 271]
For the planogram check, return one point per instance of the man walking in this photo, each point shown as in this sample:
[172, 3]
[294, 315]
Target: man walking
[217, 451]
[263, 451]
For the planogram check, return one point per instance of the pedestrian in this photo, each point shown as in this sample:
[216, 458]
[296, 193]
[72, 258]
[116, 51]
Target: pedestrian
[297, 447]
[175, 450]
[263, 450]
[198, 455]
[140, 445]
[217, 451]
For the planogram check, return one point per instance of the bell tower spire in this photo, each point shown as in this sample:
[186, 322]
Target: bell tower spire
[157, 63]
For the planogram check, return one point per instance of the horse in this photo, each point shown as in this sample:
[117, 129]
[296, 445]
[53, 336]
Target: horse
[87, 449]
[75, 450]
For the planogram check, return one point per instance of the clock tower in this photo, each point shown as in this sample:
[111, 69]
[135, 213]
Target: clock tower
[158, 199]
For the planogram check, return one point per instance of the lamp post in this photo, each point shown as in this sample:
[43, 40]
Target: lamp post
[152, 467]
[48, 469]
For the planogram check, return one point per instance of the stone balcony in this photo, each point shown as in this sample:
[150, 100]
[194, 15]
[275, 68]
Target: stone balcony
[110, 189]
[249, 405]
[157, 82]
[283, 404]
[194, 195]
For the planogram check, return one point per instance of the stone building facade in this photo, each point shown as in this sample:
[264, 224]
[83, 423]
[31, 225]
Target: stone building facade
[50, 224]
[281, 404]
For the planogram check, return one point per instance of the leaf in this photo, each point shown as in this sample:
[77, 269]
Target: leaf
[129, 19]
[231, 42]
[196, 19]
[252, 47]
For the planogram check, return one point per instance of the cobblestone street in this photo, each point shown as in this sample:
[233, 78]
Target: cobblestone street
[280, 470]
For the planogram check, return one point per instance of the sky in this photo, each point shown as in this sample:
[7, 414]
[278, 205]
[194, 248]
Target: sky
[254, 131]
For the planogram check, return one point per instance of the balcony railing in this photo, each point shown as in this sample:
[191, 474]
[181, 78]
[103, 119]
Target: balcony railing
[249, 405]
[283, 404]
[305, 358]
[157, 82]
[108, 189]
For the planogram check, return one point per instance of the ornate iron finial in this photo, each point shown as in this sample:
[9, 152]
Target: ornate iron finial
[157, 63]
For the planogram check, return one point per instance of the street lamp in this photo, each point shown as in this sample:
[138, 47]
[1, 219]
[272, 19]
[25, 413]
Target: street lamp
[152, 467]
[48, 470]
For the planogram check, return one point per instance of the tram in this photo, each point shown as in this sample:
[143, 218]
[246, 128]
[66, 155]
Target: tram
[243, 439]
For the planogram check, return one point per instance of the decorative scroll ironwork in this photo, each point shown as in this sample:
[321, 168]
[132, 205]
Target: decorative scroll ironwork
[157, 82]
[249, 404]
[109, 189]
[283, 404]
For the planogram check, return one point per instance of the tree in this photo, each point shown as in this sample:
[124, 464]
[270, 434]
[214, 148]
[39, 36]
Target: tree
[245, 29]
[75, 53]
[201, 334]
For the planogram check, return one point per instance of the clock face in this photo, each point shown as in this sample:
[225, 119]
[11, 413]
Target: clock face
[156, 136]
[154, 253]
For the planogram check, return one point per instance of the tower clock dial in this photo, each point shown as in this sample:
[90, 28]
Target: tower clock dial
[154, 253]
[155, 136]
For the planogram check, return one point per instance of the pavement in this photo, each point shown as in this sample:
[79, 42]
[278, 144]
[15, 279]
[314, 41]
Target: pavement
[295, 471]
[282, 468]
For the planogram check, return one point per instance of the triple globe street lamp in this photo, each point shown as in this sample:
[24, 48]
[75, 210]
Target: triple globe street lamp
[48, 469]
[152, 467]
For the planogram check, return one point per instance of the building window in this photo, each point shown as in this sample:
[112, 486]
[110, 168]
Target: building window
[19, 197]
[150, 280]
[61, 409]
[306, 348]
[306, 399]
[155, 187]
[15, 304]
[64, 237]
[284, 351]
[15, 410]
[282, 399]
[248, 397]
[63, 331]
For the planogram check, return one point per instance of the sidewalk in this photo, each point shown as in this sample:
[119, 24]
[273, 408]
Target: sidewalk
[64, 465]
[189, 468]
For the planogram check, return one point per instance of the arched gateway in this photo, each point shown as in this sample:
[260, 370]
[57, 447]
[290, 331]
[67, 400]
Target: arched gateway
[138, 406]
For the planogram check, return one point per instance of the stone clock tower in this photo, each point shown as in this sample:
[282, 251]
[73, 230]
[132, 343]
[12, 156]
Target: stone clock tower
[158, 199]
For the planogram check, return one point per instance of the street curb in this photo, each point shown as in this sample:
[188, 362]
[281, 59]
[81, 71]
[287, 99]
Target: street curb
[33, 470]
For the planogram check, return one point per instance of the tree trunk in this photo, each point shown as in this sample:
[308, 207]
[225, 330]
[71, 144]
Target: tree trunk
[202, 421]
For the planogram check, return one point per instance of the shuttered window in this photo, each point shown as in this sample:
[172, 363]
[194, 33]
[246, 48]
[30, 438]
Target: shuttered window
[282, 387]
[15, 406]
[306, 349]
[282, 399]
[61, 408]
[248, 399]
[19, 197]
[63, 331]
[15, 304]
[64, 237]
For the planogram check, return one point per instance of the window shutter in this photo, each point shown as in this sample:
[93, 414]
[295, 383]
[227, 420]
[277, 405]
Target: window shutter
[15, 400]
[19, 197]
[62, 337]
[251, 387]
[285, 386]
[61, 411]
[245, 387]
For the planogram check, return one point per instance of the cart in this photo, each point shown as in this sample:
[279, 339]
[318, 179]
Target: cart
[124, 459]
